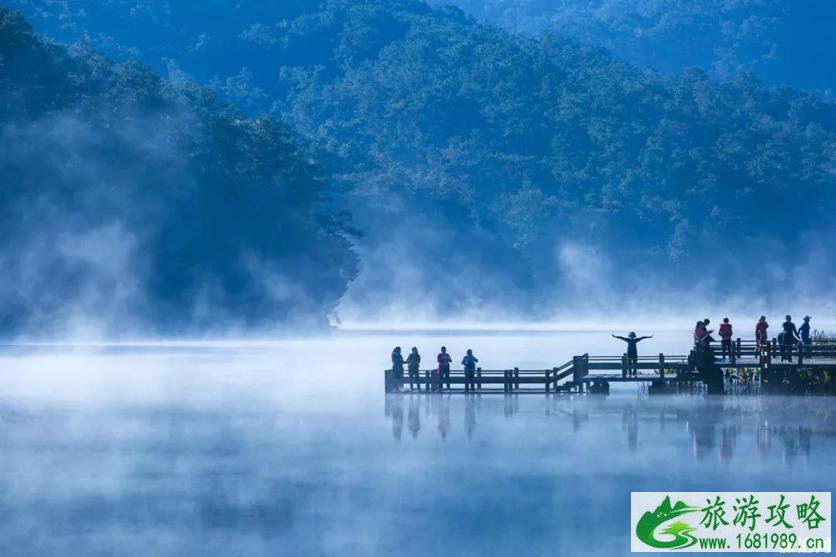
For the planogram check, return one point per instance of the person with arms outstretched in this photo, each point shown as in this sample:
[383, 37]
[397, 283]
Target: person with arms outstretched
[632, 351]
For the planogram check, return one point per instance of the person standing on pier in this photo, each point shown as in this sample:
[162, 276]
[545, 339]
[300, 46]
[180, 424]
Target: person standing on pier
[413, 363]
[632, 351]
[699, 332]
[789, 336]
[397, 366]
[444, 361]
[726, 338]
[806, 340]
[469, 362]
[705, 330]
[761, 334]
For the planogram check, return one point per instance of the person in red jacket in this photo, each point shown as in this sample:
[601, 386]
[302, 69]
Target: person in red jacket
[726, 333]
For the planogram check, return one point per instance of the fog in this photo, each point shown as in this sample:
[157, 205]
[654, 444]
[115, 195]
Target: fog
[592, 292]
[291, 447]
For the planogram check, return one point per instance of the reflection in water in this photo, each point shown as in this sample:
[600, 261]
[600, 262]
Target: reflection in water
[397, 420]
[438, 407]
[711, 425]
[764, 440]
[729, 436]
[630, 424]
[794, 439]
[232, 452]
[443, 411]
[512, 404]
[414, 417]
[702, 438]
[470, 402]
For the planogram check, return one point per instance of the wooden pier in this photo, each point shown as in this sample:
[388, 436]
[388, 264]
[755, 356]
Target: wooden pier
[595, 373]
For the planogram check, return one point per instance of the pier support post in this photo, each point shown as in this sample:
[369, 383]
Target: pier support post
[661, 365]
[516, 379]
[548, 377]
[388, 381]
[624, 366]
[736, 353]
[479, 376]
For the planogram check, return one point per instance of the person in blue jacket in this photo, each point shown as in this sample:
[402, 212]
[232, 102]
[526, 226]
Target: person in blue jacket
[804, 333]
[469, 362]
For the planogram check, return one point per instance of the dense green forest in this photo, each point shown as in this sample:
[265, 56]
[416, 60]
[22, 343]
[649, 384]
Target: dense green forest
[784, 43]
[485, 167]
[149, 207]
[553, 150]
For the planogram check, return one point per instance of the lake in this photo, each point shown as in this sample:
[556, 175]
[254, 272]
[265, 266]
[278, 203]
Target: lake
[290, 447]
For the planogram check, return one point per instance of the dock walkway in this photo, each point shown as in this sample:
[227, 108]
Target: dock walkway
[585, 371]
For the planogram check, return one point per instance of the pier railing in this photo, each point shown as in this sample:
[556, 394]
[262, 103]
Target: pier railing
[586, 369]
[484, 380]
[772, 351]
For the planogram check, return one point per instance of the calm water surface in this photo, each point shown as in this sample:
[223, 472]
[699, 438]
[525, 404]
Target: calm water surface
[291, 448]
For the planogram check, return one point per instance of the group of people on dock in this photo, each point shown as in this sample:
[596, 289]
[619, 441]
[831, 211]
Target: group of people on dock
[440, 375]
[787, 339]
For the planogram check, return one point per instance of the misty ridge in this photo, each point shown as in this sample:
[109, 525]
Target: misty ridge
[245, 166]
[129, 205]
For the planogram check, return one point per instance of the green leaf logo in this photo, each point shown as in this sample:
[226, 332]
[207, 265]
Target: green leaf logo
[681, 531]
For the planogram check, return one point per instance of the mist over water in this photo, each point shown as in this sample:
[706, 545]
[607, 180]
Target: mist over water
[290, 447]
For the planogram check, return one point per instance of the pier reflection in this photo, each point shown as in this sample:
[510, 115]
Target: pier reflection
[630, 425]
[442, 410]
[470, 415]
[414, 418]
[722, 429]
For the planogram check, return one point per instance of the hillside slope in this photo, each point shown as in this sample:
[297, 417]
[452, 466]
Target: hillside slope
[132, 206]
[489, 168]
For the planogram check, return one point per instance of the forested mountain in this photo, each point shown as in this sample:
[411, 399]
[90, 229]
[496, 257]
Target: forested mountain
[783, 43]
[577, 162]
[150, 208]
[487, 167]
